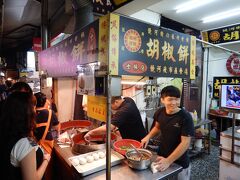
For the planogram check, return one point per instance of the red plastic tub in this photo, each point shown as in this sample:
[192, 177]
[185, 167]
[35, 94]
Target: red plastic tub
[123, 145]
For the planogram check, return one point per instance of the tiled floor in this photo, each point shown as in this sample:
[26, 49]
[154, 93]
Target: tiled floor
[204, 166]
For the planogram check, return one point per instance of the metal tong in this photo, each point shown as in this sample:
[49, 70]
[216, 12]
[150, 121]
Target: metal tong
[139, 153]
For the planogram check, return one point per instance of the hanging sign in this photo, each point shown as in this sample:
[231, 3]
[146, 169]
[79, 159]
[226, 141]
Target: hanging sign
[218, 81]
[61, 60]
[37, 44]
[141, 49]
[233, 65]
[106, 6]
[222, 35]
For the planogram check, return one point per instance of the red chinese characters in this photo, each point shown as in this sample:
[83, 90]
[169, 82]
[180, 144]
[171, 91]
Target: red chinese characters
[134, 66]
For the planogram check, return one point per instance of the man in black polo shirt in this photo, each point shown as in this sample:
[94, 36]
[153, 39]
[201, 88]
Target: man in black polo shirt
[127, 119]
[176, 127]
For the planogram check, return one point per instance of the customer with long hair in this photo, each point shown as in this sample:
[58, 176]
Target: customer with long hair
[20, 156]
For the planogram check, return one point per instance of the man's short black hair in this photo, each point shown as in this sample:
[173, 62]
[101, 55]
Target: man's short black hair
[114, 98]
[170, 91]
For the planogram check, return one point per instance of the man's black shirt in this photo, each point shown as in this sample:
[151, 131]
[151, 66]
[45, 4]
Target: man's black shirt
[129, 121]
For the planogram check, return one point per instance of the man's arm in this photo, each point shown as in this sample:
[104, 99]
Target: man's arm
[180, 149]
[164, 163]
[155, 131]
[99, 130]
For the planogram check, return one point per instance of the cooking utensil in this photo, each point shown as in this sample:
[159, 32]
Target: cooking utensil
[139, 153]
[135, 163]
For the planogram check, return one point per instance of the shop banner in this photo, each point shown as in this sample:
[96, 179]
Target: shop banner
[146, 50]
[218, 81]
[61, 60]
[37, 44]
[97, 107]
[106, 6]
[114, 44]
[222, 35]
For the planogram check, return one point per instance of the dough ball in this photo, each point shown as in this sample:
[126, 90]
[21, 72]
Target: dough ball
[95, 156]
[101, 154]
[90, 159]
[82, 160]
[75, 162]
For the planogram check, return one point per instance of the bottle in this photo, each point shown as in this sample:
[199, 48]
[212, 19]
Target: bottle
[195, 117]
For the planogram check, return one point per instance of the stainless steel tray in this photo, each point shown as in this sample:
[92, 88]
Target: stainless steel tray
[96, 165]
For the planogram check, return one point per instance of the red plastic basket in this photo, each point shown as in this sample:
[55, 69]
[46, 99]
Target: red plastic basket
[118, 145]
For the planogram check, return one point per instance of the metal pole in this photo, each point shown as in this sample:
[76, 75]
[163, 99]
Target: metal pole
[206, 84]
[217, 46]
[108, 144]
[233, 137]
[44, 24]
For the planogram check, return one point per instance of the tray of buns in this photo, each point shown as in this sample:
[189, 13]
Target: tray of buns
[92, 162]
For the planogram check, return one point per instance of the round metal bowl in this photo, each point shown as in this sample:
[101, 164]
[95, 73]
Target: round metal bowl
[134, 159]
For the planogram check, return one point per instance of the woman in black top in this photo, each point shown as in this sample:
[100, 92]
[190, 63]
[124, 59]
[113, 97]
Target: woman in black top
[21, 157]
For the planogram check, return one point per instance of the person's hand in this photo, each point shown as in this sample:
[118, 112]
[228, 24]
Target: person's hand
[144, 142]
[47, 157]
[162, 163]
[88, 135]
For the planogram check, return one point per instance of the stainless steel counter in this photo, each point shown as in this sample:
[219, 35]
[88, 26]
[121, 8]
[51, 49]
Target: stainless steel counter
[121, 171]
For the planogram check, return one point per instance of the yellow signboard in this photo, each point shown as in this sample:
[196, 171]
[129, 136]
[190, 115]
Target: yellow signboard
[193, 58]
[114, 44]
[97, 107]
[103, 39]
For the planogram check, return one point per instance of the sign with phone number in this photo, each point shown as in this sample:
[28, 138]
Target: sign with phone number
[97, 107]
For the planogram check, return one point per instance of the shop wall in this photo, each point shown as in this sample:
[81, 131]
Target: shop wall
[214, 65]
[66, 94]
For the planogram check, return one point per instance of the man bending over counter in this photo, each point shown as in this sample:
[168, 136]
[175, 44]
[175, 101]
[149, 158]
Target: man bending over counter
[127, 119]
[176, 127]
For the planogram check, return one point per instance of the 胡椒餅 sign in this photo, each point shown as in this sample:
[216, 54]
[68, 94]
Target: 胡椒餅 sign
[218, 81]
[137, 48]
[222, 35]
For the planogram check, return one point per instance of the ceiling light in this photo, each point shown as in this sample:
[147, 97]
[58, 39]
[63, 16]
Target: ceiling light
[222, 15]
[191, 5]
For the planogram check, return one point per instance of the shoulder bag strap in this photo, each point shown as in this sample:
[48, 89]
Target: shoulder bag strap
[47, 124]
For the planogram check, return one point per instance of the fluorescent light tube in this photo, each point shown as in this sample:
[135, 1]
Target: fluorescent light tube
[222, 15]
[191, 5]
